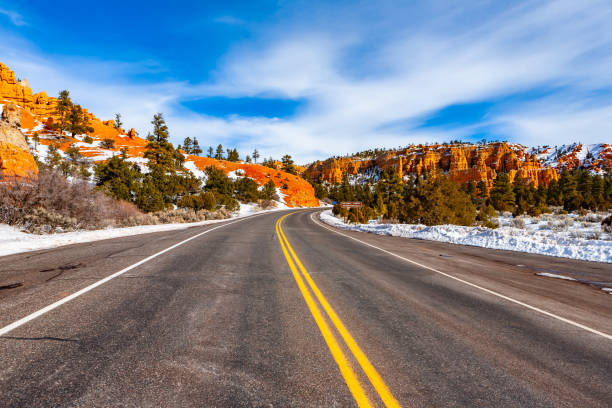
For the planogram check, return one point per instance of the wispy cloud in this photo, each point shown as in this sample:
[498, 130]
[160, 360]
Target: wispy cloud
[15, 17]
[230, 20]
[366, 73]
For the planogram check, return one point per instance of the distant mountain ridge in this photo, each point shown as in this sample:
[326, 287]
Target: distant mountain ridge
[465, 162]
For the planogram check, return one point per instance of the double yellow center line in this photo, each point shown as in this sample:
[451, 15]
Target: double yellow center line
[347, 372]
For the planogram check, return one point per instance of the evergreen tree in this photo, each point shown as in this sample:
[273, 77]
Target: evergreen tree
[255, 155]
[210, 151]
[502, 194]
[597, 190]
[568, 186]
[53, 157]
[77, 122]
[553, 194]
[117, 178]
[232, 155]
[118, 122]
[584, 187]
[148, 196]
[187, 145]
[523, 196]
[219, 152]
[196, 150]
[444, 202]
[288, 164]
[247, 158]
[62, 109]
[268, 191]
[159, 150]
[36, 139]
[246, 190]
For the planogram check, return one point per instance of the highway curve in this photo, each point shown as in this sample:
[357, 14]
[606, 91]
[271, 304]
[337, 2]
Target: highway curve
[278, 310]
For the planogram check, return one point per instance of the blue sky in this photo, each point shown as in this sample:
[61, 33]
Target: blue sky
[316, 78]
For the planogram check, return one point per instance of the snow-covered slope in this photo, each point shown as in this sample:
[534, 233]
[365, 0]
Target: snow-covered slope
[536, 240]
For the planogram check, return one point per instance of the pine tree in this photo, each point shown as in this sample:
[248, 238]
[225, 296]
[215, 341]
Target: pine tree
[219, 152]
[247, 158]
[232, 155]
[118, 122]
[53, 158]
[187, 145]
[210, 151]
[196, 150]
[268, 191]
[36, 139]
[502, 194]
[553, 194]
[597, 190]
[62, 109]
[584, 187]
[288, 165]
[255, 155]
[117, 178]
[159, 150]
[568, 186]
[77, 122]
[148, 196]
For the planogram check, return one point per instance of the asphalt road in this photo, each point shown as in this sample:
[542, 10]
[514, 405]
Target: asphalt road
[231, 318]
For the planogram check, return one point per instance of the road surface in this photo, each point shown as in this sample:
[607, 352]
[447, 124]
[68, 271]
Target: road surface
[271, 312]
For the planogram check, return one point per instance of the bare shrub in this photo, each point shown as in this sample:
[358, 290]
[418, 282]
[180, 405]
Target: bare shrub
[568, 222]
[518, 222]
[606, 224]
[65, 205]
[42, 221]
[591, 217]
[576, 234]
[267, 204]
[593, 235]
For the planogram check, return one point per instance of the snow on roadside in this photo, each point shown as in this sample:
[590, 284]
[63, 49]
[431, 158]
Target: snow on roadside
[545, 242]
[13, 241]
[555, 275]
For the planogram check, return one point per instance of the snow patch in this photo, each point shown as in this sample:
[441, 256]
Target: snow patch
[545, 242]
[556, 276]
[191, 166]
[13, 241]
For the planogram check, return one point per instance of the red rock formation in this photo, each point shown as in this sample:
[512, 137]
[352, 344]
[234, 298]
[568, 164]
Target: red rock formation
[38, 113]
[15, 157]
[462, 162]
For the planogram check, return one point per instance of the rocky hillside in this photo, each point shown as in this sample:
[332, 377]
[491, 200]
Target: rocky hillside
[15, 157]
[467, 162]
[35, 113]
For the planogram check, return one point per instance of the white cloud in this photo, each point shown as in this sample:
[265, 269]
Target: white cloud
[230, 20]
[359, 78]
[15, 17]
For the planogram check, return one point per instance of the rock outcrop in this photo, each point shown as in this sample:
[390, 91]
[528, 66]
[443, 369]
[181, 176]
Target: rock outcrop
[38, 115]
[20, 93]
[15, 157]
[466, 162]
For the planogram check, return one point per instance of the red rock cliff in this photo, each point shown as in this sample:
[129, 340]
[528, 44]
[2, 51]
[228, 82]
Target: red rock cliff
[462, 162]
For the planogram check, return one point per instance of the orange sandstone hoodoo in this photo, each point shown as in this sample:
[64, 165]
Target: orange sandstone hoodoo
[15, 157]
[462, 162]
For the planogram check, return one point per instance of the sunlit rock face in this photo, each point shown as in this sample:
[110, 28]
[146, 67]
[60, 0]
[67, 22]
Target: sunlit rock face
[470, 162]
[15, 157]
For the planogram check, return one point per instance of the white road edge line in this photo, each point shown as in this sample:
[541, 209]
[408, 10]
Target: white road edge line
[518, 302]
[94, 285]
